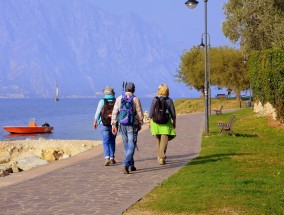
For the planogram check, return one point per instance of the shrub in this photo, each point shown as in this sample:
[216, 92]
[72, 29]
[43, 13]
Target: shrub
[266, 71]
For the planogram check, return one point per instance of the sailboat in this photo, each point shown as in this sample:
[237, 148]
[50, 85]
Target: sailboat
[56, 93]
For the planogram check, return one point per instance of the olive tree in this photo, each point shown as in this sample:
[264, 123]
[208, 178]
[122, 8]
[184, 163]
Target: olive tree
[227, 69]
[191, 69]
[254, 24]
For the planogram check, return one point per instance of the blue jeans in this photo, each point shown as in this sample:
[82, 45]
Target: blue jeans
[129, 137]
[108, 141]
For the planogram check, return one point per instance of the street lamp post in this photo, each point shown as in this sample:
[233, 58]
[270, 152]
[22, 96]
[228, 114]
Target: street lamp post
[208, 69]
[192, 4]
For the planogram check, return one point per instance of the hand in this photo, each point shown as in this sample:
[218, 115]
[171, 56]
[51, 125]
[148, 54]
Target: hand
[114, 130]
[95, 124]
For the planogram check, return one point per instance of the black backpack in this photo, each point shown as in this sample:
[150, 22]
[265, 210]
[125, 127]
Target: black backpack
[107, 111]
[160, 113]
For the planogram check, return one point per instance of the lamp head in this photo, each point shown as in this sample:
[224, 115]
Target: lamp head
[191, 4]
[202, 44]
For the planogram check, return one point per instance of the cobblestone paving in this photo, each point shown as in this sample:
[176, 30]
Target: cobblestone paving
[88, 187]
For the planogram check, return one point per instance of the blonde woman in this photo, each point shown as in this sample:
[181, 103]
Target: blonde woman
[163, 130]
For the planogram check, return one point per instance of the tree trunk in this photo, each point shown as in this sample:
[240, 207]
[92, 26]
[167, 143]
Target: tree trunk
[202, 92]
[238, 95]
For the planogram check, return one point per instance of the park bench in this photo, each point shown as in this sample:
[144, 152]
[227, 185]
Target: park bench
[219, 112]
[221, 95]
[227, 127]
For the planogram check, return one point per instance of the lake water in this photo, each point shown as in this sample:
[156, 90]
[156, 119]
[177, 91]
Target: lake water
[71, 118]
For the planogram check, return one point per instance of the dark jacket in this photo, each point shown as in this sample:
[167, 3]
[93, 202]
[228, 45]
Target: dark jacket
[169, 104]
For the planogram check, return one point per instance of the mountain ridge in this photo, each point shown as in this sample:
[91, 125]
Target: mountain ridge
[82, 48]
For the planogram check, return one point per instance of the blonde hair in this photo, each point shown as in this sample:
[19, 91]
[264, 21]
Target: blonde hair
[163, 90]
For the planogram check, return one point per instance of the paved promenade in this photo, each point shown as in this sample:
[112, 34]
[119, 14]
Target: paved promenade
[83, 185]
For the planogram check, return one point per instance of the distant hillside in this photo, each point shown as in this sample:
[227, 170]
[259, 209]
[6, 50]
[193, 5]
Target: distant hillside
[82, 48]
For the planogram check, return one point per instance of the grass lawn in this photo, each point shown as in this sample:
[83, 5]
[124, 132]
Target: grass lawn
[241, 174]
[197, 105]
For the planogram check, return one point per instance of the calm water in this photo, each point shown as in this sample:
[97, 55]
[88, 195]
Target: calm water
[71, 118]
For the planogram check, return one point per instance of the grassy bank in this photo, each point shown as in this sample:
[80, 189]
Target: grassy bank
[197, 105]
[241, 174]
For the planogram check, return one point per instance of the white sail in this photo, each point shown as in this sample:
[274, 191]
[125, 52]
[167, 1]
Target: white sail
[56, 93]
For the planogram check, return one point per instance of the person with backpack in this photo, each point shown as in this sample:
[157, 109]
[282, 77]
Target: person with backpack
[162, 116]
[103, 119]
[128, 113]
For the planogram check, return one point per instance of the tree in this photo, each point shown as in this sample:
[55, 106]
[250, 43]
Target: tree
[255, 24]
[227, 69]
[231, 70]
[191, 71]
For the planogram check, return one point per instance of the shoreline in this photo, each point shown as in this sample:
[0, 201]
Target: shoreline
[19, 156]
[15, 178]
[19, 177]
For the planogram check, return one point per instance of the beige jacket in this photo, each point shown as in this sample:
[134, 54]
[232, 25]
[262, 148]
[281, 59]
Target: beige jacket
[136, 107]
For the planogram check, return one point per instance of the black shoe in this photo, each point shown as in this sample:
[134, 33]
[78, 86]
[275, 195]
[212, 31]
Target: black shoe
[112, 161]
[125, 170]
[133, 168]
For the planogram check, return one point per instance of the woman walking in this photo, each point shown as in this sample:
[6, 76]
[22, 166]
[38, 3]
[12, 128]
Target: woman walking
[103, 119]
[163, 121]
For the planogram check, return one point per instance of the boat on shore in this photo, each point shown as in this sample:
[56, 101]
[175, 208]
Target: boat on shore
[33, 128]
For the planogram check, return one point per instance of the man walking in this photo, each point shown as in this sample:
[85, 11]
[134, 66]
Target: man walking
[128, 114]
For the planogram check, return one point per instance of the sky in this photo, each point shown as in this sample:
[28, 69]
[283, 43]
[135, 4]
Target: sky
[183, 26]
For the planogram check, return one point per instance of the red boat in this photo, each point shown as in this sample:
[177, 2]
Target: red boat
[31, 129]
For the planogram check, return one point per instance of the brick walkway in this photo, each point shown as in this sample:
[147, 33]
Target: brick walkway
[82, 185]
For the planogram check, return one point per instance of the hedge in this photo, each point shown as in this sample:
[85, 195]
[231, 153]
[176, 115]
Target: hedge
[266, 71]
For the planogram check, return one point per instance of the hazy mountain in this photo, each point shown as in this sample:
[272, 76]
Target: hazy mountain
[82, 48]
